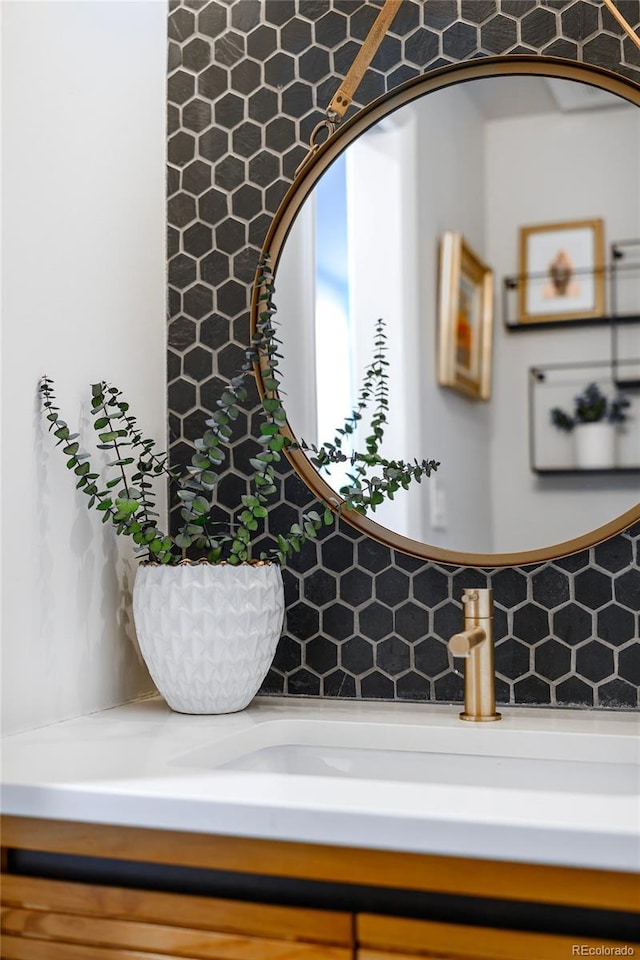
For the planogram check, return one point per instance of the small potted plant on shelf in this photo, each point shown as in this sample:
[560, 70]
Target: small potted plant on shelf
[593, 424]
[208, 612]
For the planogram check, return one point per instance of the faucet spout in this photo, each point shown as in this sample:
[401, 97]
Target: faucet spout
[475, 644]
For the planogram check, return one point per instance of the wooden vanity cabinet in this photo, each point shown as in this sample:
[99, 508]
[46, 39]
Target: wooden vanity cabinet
[74, 918]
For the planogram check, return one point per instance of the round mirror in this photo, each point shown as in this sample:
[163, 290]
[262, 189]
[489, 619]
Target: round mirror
[490, 215]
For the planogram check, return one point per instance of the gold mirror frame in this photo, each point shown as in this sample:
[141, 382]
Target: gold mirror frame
[307, 177]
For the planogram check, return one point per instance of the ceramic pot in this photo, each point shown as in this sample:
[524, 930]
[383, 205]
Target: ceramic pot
[595, 445]
[208, 632]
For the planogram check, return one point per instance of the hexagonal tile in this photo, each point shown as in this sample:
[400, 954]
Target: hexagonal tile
[337, 621]
[550, 587]
[356, 655]
[375, 686]
[618, 693]
[181, 22]
[531, 623]
[213, 144]
[212, 206]
[198, 301]
[182, 396]
[280, 133]
[602, 50]
[214, 267]
[616, 625]
[531, 689]
[246, 77]
[447, 620]
[627, 588]
[572, 624]
[574, 692]
[303, 683]
[579, 21]
[298, 100]
[279, 69]
[509, 587]
[214, 331]
[614, 554]
[246, 15]
[196, 55]
[229, 48]
[499, 34]
[431, 586]
[477, 11]
[264, 167]
[459, 40]
[538, 27]
[337, 553]
[296, 35]
[321, 655]
[593, 589]
[182, 333]
[411, 621]
[212, 20]
[373, 556]
[198, 364]
[229, 173]
[320, 587]
[375, 621]
[430, 657]
[411, 686]
[594, 661]
[247, 139]
[449, 688]
[392, 587]
[629, 663]
[230, 360]
[196, 177]
[421, 47]
[302, 621]
[552, 659]
[212, 82]
[196, 115]
[180, 148]
[393, 656]
[181, 209]
[288, 654]
[356, 587]
[330, 29]
[338, 684]
[262, 42]
[440, 15]
[512, 658]
[182, 271]
[197, 239]
[181, 87]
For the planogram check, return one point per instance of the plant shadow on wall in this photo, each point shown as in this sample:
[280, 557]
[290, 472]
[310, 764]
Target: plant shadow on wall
[208, 630]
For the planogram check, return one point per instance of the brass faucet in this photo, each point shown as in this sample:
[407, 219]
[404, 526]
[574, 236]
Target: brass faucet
[475, 643]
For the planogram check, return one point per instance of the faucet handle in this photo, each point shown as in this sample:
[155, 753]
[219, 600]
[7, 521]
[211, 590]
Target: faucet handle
[477, 602]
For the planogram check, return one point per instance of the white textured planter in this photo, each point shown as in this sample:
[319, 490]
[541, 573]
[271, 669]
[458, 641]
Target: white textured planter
[208, 632]
[595, 445]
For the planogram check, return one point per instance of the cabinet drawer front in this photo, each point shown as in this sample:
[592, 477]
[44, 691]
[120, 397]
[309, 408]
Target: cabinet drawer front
[17, 948]
[382, 938]
[197, 912]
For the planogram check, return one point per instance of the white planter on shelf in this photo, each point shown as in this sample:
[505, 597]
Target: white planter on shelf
[208, 632]
[595, 445]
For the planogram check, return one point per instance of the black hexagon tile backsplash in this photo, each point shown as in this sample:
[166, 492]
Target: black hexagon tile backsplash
[248, 81]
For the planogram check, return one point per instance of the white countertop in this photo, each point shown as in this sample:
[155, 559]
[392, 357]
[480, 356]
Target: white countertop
[143, 765]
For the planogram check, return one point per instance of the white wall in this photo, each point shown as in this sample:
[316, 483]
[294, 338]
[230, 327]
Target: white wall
[83, 299]
[561, 167]
[455, 429]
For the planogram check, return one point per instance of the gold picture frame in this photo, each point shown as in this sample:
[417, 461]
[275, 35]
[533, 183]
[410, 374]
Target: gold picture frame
[465, 319]
[561, 272]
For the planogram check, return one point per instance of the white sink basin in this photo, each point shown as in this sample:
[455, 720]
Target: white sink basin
[478, 756]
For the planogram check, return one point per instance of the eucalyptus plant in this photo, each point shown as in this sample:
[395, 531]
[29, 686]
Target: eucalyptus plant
[127, 499]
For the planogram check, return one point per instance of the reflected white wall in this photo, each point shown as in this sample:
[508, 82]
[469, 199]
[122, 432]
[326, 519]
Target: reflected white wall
[560, 167]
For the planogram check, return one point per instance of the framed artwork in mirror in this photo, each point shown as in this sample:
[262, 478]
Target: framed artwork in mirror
[465, 317]
[561, 272]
